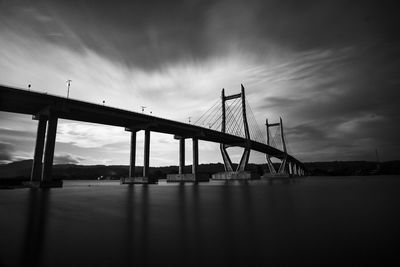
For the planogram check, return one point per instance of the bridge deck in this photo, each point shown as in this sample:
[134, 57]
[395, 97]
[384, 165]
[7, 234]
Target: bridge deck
[35, 103]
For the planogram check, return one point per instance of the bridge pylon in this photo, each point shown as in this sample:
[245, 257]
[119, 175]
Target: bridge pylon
[285, 168]
[230, 173]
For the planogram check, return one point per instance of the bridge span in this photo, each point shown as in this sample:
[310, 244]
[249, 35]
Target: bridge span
[47, 109]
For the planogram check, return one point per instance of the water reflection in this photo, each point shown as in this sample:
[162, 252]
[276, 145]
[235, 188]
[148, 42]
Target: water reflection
[213, 224]
[197, 227]
[129, 234]
[145, 226]
[182, 223]
[137, 225]
[248, 231]
[227, 229]
[35, 230]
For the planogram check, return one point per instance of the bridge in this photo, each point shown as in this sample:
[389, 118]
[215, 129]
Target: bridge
[226, 122]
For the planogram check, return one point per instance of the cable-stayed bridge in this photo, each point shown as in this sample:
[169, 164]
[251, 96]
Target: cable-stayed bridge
[230, 122]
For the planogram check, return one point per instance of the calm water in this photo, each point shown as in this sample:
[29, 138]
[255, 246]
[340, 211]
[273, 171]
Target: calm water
[311, 220]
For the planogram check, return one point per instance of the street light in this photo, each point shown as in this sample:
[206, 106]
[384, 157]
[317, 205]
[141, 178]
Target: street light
[69, 83]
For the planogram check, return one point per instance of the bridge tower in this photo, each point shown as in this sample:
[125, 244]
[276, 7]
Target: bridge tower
[230, 172]
[284, 168]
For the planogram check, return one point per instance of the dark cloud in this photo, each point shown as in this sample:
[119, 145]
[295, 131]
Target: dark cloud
[343, 80]
[67, 159]
[6, 152]
[150, 34]
[16, 133]
[345, 102]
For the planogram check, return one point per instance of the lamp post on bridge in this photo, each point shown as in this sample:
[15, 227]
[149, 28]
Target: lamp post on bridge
[69, 84]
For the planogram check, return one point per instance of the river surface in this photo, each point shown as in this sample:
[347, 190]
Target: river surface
[334, 220]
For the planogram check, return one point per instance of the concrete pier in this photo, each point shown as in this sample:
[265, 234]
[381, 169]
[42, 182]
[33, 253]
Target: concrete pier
[239, 175]
[181, 155]
[290, 168]
[49, 148]
[132, 160]
[188, 177]
[36, 174]
[41, 176]
[146, 162]
[195, 165]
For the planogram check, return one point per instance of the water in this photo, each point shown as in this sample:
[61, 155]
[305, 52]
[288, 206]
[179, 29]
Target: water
[311, 220]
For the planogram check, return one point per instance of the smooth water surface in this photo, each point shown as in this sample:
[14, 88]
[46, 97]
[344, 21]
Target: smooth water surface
[308, 220]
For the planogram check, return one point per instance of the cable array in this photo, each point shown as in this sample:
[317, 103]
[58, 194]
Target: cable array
[255, 132]
[234, 123]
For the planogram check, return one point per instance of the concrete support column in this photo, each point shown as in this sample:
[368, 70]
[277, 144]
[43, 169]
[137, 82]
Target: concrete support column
[181, 155]
[195, 165]
[38, 154]
[146, 153]
[290, 166]
[132, 161]
[49, 149]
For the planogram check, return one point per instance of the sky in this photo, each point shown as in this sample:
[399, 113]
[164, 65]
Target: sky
[330, 69]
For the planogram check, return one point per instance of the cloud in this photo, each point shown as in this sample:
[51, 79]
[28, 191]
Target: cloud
[67, 159]
[6, 153]
[329, 69]
[87, 135]
[150, 34]
[11, 133]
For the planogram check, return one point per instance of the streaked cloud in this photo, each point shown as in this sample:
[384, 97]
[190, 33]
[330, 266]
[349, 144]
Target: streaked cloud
[330, 69]
[6, 153]
[66, 158]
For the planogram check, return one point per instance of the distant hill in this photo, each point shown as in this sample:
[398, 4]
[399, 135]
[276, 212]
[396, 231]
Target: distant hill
[22, 169]
[344, 168]
[16, 169]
